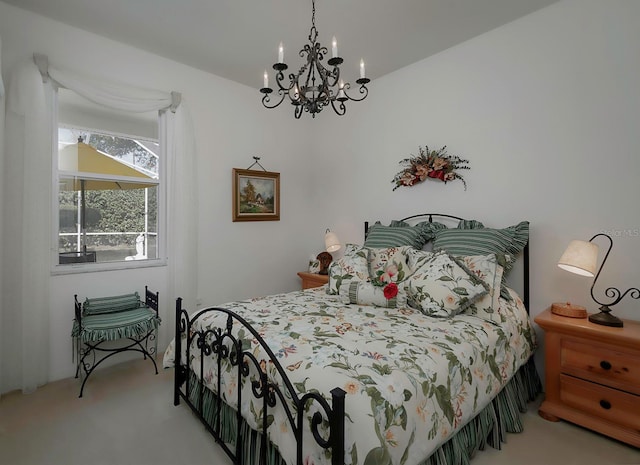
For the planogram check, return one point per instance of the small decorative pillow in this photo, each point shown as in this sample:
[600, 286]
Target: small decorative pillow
[114, 304]
[354, 265]
[314, 265]
[442, 287]
[415, 258]
[363, 293]
[485, 267]
[388, 264]
[429, 229]
[379, 236]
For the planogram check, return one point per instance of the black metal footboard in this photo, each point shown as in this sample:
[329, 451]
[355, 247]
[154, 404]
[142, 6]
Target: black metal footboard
[222, 345]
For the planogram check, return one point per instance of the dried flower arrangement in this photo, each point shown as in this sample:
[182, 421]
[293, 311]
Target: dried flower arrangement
[435, 164]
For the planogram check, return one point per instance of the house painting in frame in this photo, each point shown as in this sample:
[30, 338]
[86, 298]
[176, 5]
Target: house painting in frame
[256, 195]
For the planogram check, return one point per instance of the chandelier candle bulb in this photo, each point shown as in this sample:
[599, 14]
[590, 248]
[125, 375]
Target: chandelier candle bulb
[281, 53]
[334, 48]
[266, 79]
[361, 69]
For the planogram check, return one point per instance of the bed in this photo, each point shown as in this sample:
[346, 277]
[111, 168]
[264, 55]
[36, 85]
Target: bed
[407, 356]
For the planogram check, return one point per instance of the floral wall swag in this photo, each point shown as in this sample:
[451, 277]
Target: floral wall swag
[435, 164]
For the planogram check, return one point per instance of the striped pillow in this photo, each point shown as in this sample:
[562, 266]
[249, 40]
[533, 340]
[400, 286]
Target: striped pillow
[379, 237]
[118, 303]
[483, 241]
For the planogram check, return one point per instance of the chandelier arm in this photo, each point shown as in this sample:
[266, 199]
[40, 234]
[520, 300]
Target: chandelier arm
[266, 99]
[362, 89]
[279, 80]
[341, 107]
[333, 76]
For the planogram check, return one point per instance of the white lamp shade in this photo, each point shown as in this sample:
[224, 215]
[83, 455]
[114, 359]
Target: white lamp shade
[331, 242]
[580, 258]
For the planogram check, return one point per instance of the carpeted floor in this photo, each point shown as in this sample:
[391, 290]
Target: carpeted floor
[127, 417]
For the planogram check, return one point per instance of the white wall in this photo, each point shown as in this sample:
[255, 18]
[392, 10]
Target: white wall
[236, 260]
[546, 109]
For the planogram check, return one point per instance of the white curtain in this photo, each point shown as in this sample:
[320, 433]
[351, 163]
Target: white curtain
[27, 234]
[25, 319]
[182, 211]
[1, 206]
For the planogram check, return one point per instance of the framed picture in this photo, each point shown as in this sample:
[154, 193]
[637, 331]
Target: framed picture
[256, 195]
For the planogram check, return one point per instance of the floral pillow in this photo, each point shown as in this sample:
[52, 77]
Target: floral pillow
[364, 293]
[388, 264]
[415, 258]
[354, 265]
[485, 267]
[442, 287]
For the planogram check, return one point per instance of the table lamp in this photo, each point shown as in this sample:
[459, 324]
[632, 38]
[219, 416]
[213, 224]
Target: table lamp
[331, 242]
[581, 258]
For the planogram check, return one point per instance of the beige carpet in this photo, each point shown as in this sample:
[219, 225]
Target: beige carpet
[127, 417]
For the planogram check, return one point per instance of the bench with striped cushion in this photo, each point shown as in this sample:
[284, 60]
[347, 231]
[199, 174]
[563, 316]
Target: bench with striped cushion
[116, 318]
[132, 323]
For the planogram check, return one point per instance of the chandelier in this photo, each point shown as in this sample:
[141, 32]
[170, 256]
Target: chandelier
[314, 86]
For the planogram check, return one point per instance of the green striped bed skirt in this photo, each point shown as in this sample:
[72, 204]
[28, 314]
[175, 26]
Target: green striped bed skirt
[133, 324]
[488, 427]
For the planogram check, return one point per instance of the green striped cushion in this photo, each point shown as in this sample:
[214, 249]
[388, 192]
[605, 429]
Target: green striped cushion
[427, 229]
[119, 303]
[380, 237]
[483, 241]
[113, 326]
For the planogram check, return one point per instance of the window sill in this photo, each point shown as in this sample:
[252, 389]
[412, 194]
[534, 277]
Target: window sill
[111, 266]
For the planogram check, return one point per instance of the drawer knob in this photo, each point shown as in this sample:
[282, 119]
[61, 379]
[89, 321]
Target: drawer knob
[605, 365]
[605, 404]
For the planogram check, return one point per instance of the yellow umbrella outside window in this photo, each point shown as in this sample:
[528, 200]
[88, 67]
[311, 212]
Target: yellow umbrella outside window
[82, 167]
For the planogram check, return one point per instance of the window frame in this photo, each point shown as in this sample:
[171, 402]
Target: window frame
[72, 268]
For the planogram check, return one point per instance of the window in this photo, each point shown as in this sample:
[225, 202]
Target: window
[105, 213]
[108, 195]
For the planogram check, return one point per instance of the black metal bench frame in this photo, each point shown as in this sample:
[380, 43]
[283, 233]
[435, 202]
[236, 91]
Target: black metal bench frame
[90, 354]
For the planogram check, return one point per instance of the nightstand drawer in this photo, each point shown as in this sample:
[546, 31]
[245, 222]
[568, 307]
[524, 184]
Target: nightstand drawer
[604, 364]
[616, 406]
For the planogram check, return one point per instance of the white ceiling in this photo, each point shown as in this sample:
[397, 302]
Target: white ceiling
[238, 39]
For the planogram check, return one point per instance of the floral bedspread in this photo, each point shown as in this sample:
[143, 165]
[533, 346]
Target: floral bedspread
[412, 381]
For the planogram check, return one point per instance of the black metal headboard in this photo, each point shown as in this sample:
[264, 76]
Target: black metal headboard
[525, 253]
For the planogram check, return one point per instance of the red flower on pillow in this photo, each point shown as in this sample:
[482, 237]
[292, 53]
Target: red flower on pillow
[390, 291]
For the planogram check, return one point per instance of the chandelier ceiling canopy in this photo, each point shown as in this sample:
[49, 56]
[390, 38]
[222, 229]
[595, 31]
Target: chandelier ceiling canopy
[314, 86]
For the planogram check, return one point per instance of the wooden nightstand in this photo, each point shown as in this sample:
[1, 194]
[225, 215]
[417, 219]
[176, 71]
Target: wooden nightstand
[310, 280]
[592, 375]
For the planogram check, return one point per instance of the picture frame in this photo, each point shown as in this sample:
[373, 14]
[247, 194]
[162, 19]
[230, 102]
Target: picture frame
[256, 195]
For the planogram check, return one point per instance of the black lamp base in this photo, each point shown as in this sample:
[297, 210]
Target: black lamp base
[605, 318]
